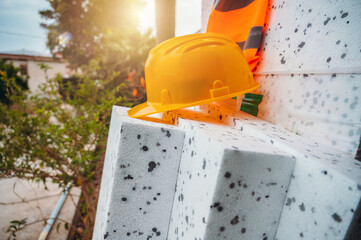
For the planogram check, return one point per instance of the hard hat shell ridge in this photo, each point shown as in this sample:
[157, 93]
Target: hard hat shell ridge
[192, 70]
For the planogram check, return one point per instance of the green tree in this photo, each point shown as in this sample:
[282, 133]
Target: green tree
[61, 137]
[101, 38]
[11, 81]
[106, 30]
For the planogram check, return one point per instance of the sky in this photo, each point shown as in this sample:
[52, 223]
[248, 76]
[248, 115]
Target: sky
[20, 26]
[20, 22]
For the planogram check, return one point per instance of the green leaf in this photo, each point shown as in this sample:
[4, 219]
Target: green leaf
[66, 226]
[57, 227]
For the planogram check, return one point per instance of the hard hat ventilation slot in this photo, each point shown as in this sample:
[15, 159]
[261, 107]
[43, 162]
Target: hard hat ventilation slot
[203, 44]
[173, 47]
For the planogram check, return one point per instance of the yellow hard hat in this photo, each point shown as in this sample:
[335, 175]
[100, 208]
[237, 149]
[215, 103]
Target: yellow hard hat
[192, 70]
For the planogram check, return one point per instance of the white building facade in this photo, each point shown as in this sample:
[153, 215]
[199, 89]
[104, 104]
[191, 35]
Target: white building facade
[29, 62]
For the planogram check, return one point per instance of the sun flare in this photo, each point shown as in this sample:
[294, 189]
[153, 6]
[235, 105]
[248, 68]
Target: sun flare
[146, 17]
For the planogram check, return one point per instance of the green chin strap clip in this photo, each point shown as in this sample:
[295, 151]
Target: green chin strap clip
[250, 103]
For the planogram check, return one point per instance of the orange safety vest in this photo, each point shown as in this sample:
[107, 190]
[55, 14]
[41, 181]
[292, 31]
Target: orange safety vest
[243, 21]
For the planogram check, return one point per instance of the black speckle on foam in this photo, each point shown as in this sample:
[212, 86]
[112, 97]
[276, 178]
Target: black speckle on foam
[235, 220]
[327, 20]
[283, 61]
[180, 197]
[336, 217]
[145, 148]
[128, 177]
[302, 207]
[216, 204]
[151, 166]
[288, 202]
[227, 175]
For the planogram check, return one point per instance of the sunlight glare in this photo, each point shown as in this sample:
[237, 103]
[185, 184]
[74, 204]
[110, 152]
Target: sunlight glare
[147, 17]
[64, 38]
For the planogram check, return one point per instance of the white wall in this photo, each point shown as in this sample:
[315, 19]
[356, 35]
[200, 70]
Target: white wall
[310, 70]
[37, 75]
[206, 10]
[188, 17]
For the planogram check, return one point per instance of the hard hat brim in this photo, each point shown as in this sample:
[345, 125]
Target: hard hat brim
[148, 108]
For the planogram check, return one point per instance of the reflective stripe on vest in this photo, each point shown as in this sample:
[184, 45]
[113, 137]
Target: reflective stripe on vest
[226, 5]
[243, 21]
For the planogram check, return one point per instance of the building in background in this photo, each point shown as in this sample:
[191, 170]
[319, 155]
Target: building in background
[29, 61]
